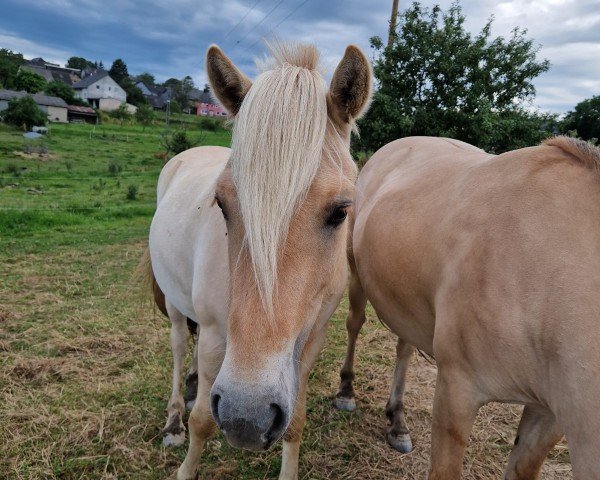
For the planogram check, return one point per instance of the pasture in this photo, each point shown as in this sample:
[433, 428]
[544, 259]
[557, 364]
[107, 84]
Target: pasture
[85, 359]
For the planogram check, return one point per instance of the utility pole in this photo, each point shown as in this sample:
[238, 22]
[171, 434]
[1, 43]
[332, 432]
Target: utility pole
[393, 21]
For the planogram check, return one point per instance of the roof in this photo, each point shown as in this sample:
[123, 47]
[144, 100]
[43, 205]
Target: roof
[41, 71]
[52, 72]
[206, 97]
[82, 110]
[38, 98]
[156, 102]
[91, 79]
[195, 94]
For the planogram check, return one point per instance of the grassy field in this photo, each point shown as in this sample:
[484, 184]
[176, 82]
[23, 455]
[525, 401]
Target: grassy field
[85, 361]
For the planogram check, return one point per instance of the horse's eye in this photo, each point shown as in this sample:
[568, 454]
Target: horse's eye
[220, 205]
[337, 216]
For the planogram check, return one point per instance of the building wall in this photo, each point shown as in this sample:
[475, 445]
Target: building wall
[57, 114]
[211, 110]
[3, 105]
[110, 104]
[106, 87]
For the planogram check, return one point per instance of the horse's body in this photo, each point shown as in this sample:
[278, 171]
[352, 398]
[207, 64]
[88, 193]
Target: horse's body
[492, 265]
[251, 243]
[188, 250]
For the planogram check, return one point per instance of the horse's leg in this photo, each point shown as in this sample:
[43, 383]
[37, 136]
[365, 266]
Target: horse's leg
[455, 407]
[536, 436]
[191, 379]
[174, 431]
[398, 434]
[293, 435]
[211, 350]
[344, 399]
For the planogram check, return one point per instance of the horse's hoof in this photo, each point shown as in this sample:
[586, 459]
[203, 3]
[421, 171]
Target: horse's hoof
[190, 404]
[401, 443]
[345, 403]
[174, 439]
[181, 475]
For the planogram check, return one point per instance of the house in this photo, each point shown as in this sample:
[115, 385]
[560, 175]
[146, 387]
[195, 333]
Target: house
[54, 107]
[157, 97]
[209, 107]
[52, 72]
[101, 91]
[79, 114]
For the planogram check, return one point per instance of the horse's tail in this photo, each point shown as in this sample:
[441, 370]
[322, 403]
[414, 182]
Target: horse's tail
[145, 276]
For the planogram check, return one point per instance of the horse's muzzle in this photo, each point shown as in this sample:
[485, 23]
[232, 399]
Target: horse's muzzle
[248, 418]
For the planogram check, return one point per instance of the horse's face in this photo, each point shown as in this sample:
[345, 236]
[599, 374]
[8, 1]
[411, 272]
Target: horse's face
[254, 395]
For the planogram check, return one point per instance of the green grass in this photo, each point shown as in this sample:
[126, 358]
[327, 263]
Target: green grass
[85, 362]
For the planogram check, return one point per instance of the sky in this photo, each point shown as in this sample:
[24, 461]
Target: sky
[169, 37]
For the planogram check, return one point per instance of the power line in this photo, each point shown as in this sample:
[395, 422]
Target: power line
[283, 20]
[242, 19]
[259, 23]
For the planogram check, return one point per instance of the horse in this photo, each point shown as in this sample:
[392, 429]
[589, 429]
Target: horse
[490, 264]
[250, 244]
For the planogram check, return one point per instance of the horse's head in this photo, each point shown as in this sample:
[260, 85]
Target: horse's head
[285, 195]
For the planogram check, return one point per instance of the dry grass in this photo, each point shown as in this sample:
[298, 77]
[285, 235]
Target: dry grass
[85, 378]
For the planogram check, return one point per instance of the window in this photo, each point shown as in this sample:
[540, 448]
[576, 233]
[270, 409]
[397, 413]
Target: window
[98, 86]
[109, 89]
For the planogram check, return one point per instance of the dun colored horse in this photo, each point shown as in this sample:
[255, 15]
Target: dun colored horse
[491, 264]
[250, 243]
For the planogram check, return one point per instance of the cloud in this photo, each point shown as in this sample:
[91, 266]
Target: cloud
[169, 37]
[12, 41]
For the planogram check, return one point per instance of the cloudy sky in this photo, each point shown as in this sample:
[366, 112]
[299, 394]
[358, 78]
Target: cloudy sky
[169, 37]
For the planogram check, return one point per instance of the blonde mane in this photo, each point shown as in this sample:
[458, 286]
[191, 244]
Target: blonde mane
[278, 139]
[586, 153]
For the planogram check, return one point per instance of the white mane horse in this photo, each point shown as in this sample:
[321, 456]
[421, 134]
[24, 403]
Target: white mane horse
[261, 275]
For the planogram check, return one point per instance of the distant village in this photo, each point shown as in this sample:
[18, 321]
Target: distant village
[84, 88]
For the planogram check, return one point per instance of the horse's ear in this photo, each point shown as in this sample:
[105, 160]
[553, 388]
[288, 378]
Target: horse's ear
[350, 90]
[227, 83]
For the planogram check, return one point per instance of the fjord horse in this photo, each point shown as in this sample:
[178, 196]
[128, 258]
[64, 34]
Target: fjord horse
[251, 242]
[491, 264]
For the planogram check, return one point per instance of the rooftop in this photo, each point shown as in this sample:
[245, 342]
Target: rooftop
[38, 98]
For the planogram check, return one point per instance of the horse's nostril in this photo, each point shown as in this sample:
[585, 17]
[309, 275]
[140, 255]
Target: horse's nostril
[278, 422]
[214, 406]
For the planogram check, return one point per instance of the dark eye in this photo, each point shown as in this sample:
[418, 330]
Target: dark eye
[337, 215]
[221, 207]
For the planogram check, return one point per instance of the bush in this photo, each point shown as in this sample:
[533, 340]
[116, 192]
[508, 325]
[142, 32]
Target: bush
[177, 142]
[61, 90]
[210, 124]
[30, 82]
[114, 168]
[144, 115]
[13, 169]
[121, 113]
[24, 112]
[131, 192]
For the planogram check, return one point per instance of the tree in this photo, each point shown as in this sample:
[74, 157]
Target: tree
[585, 119]
[172, 82]
[30, 82]
[24, 112]
[146, 78]
[181, 91]
[144, 115]
[134, 95]
[118, 71]
[62, 90]
[9, 67]
[80, 63]
[437, 79]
